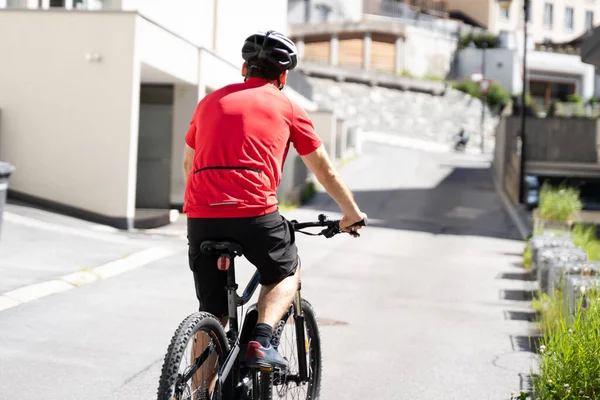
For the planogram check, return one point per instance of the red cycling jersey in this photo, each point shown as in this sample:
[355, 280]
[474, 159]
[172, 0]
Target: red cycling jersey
[241, 135]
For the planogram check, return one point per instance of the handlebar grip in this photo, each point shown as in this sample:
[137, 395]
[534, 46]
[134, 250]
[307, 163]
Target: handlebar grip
[359, 223]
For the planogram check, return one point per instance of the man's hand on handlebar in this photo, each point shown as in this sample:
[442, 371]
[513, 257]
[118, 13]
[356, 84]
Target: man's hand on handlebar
[352, 224]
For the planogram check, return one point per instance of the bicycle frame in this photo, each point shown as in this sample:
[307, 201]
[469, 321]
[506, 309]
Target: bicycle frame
[234, 301]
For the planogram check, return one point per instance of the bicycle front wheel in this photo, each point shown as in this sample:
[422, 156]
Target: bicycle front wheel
[291, 385]
[196, 353]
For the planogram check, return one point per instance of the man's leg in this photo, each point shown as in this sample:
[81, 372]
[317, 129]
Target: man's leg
[269, 244]
[274, 300]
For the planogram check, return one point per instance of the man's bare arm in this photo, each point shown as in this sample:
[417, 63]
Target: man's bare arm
[188, 160]
[320, 164]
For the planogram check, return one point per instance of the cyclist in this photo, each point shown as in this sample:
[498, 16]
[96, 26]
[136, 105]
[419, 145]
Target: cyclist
[236, 145]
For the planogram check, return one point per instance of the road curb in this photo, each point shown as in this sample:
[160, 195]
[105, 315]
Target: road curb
[77, 279]
[510, 209]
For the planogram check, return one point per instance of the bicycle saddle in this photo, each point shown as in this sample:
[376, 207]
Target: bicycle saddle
[221, 248]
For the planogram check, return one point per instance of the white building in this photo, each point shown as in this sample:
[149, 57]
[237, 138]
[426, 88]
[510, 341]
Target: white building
[96, 96]
[553, 71]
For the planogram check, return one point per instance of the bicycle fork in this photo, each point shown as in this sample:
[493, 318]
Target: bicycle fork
[300, 337]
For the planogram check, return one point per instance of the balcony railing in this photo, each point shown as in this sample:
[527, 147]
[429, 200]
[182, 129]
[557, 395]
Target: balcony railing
[416, 13]
[427, 14]
[410, 9]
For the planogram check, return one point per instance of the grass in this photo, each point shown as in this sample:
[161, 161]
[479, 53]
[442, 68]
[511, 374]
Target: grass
[570, 344]
[559, 204]
[584, 236]
[569, 367]
[550, 308]
[527, 256]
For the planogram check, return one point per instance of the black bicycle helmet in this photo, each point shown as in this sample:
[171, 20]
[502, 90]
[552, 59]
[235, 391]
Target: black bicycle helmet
[270, 47]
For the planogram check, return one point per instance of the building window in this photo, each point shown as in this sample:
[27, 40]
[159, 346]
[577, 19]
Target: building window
[505, 13]
[569, 19]
[57, 3]
[548, 15]
[589, 20]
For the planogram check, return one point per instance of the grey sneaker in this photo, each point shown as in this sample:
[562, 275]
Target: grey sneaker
[258, 356]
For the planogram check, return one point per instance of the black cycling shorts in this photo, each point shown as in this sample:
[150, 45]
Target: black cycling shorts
[268, 242]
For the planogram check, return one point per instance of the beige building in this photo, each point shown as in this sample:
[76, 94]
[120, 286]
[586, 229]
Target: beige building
[549, 20]
[96, 96]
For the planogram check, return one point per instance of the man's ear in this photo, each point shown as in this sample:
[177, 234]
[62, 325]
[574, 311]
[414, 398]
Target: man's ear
[244, 69]
[283, 78]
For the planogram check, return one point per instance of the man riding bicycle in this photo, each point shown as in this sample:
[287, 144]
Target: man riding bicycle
[235, 149]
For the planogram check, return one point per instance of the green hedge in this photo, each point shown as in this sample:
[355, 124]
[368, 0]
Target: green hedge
[496, 97]
[478, 39]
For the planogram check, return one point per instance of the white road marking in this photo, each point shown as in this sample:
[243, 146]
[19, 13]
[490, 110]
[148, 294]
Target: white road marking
[38, 290]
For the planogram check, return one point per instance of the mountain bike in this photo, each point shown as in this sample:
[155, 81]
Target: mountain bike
[203, 362]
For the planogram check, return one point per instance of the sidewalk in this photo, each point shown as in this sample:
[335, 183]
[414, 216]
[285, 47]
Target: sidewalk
[54, 252]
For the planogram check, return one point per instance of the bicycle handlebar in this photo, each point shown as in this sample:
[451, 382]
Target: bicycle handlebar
[332, 227]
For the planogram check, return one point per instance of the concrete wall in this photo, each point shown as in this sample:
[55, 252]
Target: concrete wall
[554, 140]
[70, 125]
[159, 49]
[341, 138]
[185, 100]
[560, 139]
[427, 52]
[325, 123]
[500, 66]
[192, 19]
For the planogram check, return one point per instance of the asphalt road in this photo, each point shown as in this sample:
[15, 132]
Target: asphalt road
[419, 307]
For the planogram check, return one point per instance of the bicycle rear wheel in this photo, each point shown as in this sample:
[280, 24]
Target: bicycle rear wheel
[196, 353]
[290, 386]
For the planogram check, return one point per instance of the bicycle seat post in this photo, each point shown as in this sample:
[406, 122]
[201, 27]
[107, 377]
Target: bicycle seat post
[232, 301]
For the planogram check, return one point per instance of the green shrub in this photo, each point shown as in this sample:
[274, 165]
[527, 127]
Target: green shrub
[574, 98]
[469, 87]
[497, 96]
[559, 204]
[479, 39]
[569, 367]
[552, 109]
[309, 191]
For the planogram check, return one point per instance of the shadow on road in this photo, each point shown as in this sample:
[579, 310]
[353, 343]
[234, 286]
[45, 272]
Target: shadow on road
[464, 203]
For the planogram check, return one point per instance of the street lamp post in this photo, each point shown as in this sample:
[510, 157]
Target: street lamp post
[483, 97]
[505, 4]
